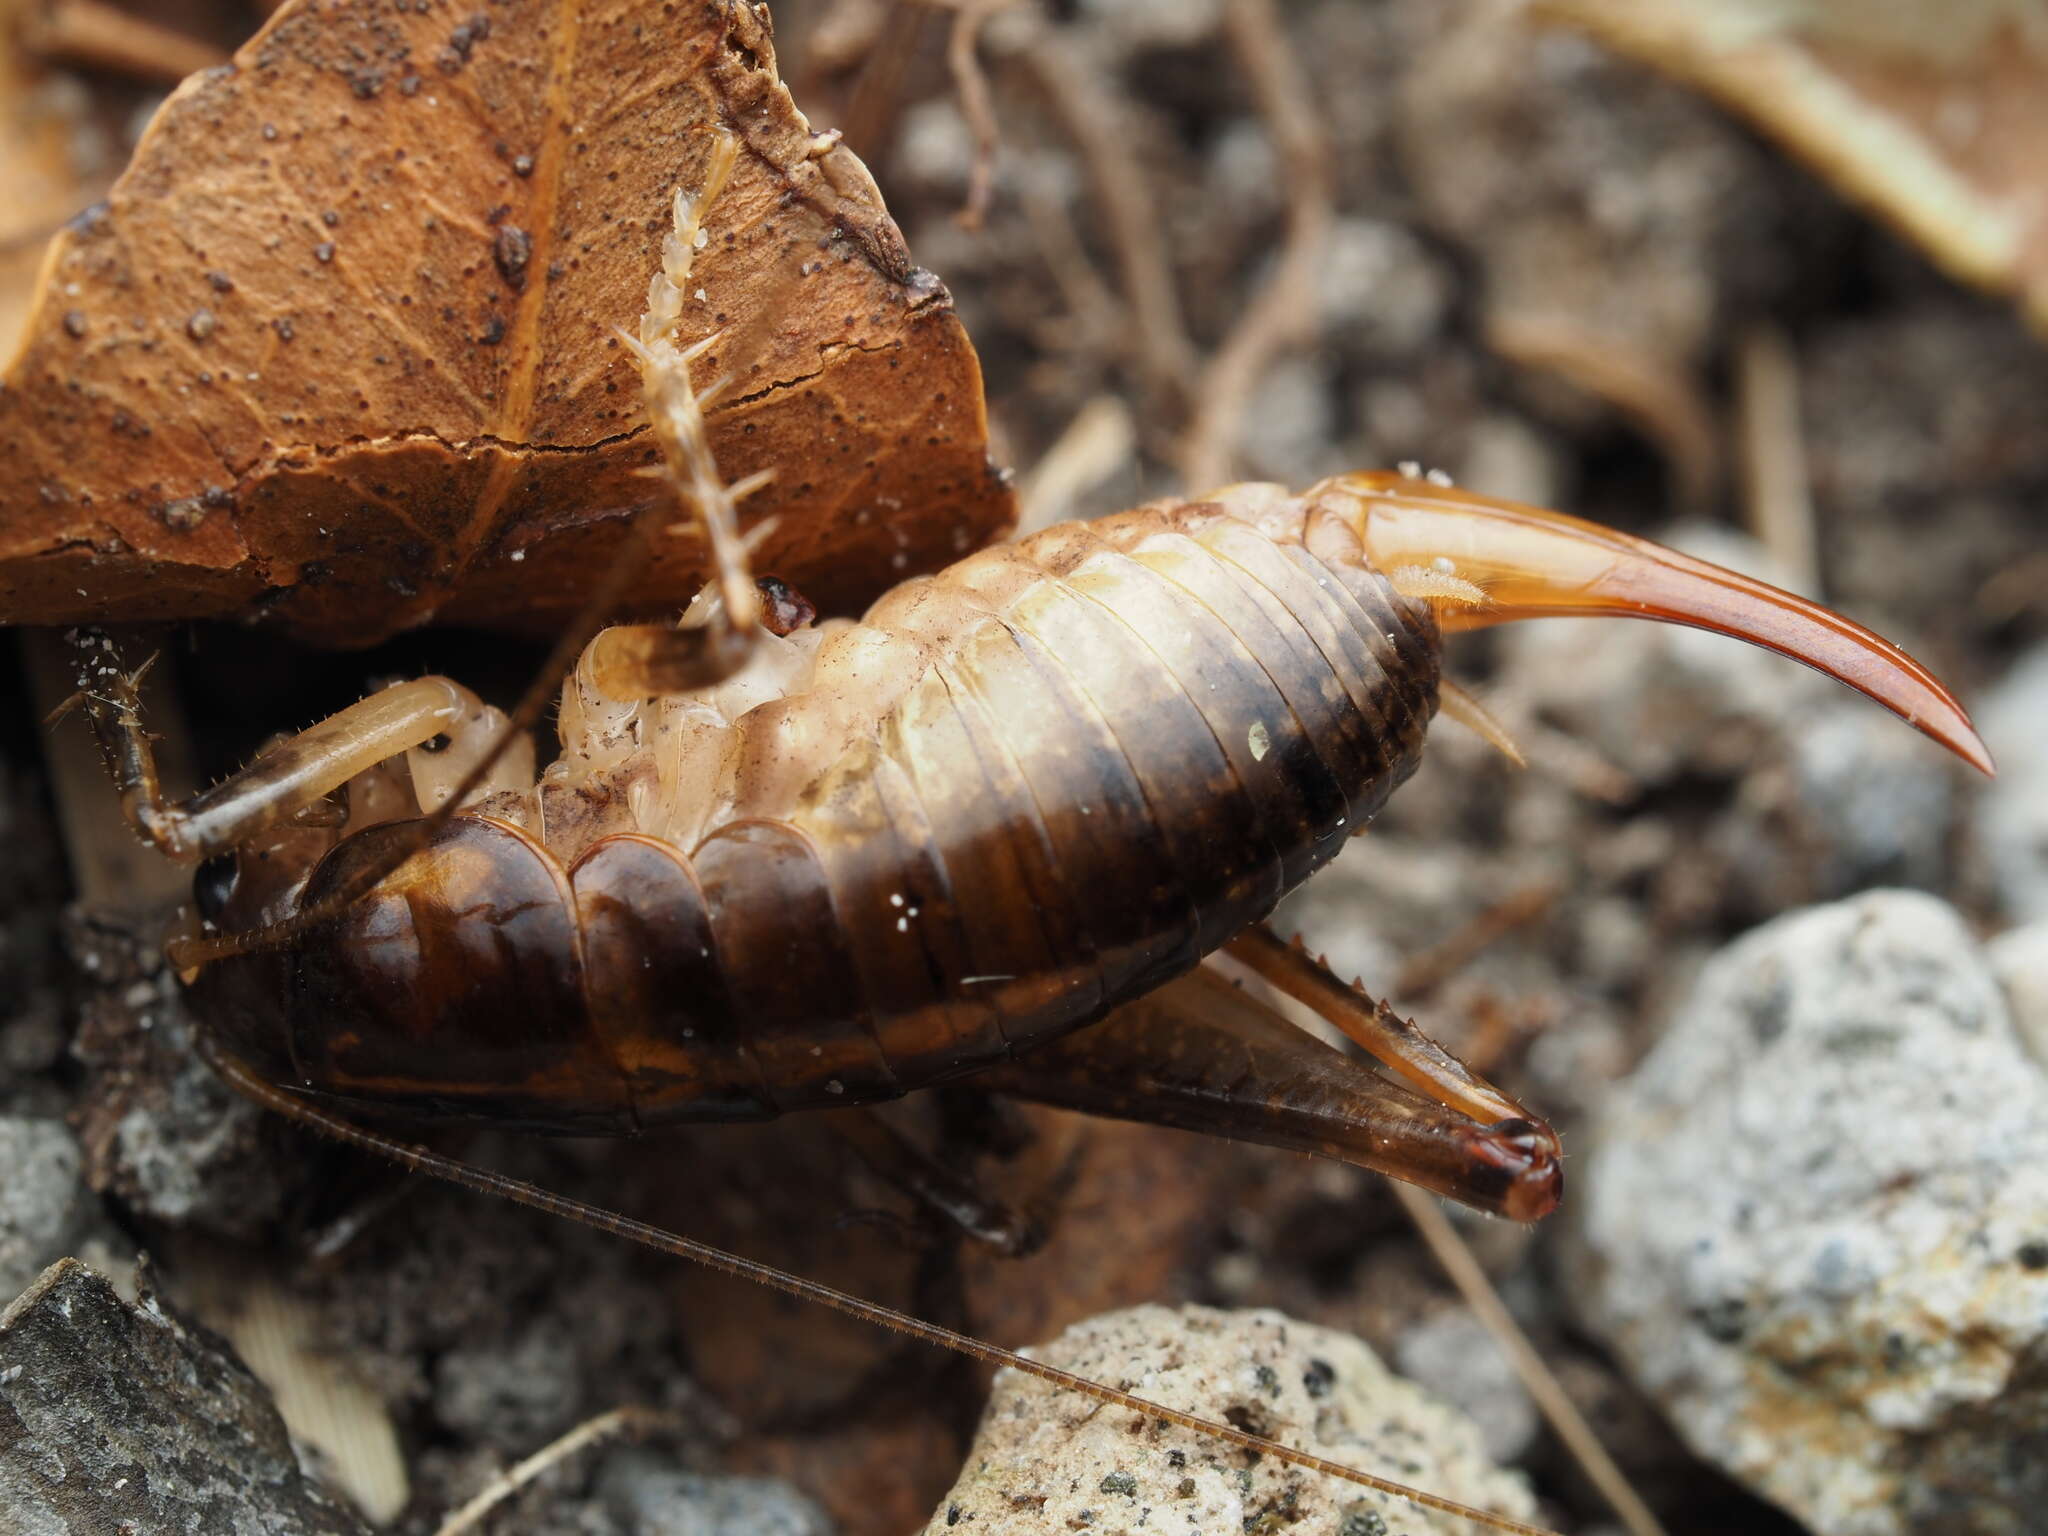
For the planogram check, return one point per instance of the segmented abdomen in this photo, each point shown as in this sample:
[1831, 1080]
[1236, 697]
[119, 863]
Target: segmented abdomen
[1128, 739]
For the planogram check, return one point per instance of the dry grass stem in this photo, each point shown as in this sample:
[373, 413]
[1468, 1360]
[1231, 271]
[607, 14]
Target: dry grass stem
[963, 62]
[1283, 313]
[1776, 501]
[1458, 1262]
[99, 36]
[627, 1420]
[1092, 118]
[1096, 444]
[1425, 972]
[1657, 394]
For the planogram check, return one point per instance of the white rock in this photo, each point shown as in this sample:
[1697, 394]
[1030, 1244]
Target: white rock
[44, 1204]
[1381, 289]
[2012, 812]
[1881, 800]
[1814, 1224]
[1131, 24]
[650, 1496]
[1051, 1460]
[2019, 959]
[935, 150]
[1451, 1353]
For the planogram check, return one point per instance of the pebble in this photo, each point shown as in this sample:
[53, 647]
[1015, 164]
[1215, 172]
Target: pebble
[514, 1392]
[1880, 799]
[2011, 823]
[1052, 1460]
[2019, 959]
[44, 1204]
[121, 1418]
[650, 1496]
[1814, 1224]
[1381, 290]
[1451, 1353]
[1131, 24]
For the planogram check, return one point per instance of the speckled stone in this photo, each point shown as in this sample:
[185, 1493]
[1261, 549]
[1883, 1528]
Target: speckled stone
[1814, 1225]
[649, 1496]
[2011, 822]
[1052, 1460]
[124, 1418]
[44, 1204]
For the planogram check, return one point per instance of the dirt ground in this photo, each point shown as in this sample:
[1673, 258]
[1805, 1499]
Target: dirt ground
[1546, 271]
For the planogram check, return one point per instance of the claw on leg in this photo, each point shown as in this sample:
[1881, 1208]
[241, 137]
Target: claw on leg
[1505, 1150]
[1204, 1054]
[1529, 564]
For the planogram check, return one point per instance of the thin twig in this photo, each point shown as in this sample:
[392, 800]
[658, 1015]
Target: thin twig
[1653, 391]
[1588, 771]
[1424, 973]
[1551, 1400]
[1776, 501]
[1093, 309]
[630, 1419]
[2013, 589]
[976, 106]
[100, 36]
[1095, 445]
[876, 100]
[1283, 314]
[1091, 117]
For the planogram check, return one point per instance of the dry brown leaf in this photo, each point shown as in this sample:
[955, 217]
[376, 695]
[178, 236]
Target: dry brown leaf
[1936, 116]
[340, 349]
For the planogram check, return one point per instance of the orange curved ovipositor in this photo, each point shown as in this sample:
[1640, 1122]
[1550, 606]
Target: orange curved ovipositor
[1533, 564]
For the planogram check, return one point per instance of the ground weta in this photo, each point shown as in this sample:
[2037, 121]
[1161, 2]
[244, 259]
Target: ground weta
[1021, 797]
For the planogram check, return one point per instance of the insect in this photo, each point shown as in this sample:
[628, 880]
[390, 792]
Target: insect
[994, 827]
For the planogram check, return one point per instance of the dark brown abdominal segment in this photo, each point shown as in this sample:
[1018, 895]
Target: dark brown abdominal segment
[455, 985]
[656, 989]
[793, 983]
[1109, 865]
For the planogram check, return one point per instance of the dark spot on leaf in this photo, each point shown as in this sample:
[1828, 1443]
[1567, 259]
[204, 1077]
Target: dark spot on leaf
[512, 250]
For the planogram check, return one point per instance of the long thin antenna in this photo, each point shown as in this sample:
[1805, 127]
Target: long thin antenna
[484, 1181]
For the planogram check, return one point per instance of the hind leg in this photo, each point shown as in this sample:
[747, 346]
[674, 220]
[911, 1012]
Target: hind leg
[1202, 1054]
